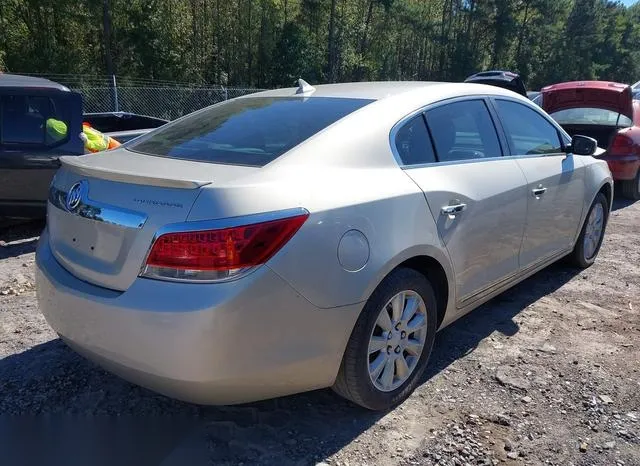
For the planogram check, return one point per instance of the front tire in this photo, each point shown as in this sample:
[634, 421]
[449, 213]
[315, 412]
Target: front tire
[588, 245]
[391, 342]
[631, 188]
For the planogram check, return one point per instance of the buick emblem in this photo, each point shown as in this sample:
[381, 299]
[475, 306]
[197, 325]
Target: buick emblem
[74, 196]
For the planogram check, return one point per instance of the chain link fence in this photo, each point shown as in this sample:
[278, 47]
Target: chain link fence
[161, 99]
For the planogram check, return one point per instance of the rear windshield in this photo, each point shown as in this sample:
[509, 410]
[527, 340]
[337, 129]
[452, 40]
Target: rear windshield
[591, 116]
[249, 131]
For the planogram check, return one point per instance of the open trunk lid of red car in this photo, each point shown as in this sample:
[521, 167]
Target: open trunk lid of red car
[588, 94]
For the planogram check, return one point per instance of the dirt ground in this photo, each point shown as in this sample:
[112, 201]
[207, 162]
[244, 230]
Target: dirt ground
[547, 373]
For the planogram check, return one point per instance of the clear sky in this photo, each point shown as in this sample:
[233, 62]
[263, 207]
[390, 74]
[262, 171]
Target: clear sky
[628, 2]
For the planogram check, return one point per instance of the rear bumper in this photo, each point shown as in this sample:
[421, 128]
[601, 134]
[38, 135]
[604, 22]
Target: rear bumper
[623, 167]
[226, 343]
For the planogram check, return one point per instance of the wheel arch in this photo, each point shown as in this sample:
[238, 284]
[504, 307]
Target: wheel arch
[598, 180]
[607, 190]
[434, 265]
[435, 273]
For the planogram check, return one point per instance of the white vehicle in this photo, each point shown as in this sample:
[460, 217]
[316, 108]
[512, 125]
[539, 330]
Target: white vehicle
[304, 238]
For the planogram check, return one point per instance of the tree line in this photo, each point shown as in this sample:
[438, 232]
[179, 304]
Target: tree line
[266, 43]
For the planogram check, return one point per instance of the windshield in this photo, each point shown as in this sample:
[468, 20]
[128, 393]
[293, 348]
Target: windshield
[591, 116]
[249, 131]
[538, 99]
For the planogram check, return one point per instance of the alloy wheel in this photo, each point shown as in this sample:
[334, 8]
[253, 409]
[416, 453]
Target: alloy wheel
[593, 232]
[397, 340]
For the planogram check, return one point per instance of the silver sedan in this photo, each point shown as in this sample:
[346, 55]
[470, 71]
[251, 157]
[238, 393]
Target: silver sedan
[308, 237]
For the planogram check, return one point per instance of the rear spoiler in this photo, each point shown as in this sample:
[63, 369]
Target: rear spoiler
[126, 136]
[80, 165]
[111, 122]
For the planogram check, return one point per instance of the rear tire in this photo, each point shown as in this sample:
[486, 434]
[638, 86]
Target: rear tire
[631, 188]
[359, 379]
[586, 250]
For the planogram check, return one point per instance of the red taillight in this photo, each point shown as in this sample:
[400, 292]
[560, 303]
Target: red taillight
[219, 254]
[621, 145]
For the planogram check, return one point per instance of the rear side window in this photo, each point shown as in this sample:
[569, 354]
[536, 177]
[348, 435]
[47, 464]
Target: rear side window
[463, 130]
[528, 132]
[249, 131]
[33, 121]
[413, 143]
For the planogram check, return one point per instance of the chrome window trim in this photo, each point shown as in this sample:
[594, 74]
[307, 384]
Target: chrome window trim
[97, 211]
[400, 123]
[450, 162]
[218, 224]
[485, 159]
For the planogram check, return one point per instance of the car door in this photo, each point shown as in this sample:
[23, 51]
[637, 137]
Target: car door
[29, 152]
[555, 181]
[476, 197]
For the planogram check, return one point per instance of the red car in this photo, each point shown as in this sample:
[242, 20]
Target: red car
[607, 112]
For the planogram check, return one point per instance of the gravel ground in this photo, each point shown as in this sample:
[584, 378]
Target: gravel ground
[547, 373]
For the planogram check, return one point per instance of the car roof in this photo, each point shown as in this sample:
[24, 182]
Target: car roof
[17, 80]
[365, 133]
[379, 90]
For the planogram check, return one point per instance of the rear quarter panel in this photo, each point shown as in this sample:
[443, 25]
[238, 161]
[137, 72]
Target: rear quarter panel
[383, 204]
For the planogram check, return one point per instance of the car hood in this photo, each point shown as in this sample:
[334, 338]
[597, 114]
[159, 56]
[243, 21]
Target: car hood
[588, 94]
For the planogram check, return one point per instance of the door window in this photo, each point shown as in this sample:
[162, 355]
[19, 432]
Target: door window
[463, 130]
[528, 132]
[414, 144]
[33, 121]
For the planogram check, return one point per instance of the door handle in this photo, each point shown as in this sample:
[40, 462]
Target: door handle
[453, 209]
[539, 191]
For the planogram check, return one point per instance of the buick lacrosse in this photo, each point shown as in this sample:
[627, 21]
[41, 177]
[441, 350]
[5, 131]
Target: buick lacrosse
[311, 237]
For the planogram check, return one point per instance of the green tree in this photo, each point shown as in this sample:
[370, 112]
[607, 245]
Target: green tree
[273, 42]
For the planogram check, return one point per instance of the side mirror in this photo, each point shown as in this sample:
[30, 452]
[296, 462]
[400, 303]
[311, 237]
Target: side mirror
[583, 145]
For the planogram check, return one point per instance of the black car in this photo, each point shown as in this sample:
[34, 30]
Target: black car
[29, 151]
[504, 79]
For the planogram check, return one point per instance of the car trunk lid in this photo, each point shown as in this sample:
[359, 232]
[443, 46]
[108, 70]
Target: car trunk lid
[584, 94]
[105, 208]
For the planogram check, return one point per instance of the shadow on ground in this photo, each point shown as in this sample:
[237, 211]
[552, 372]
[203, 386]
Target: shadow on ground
[17, 238]
[300, 429]
[463, 336]
[620, 202]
